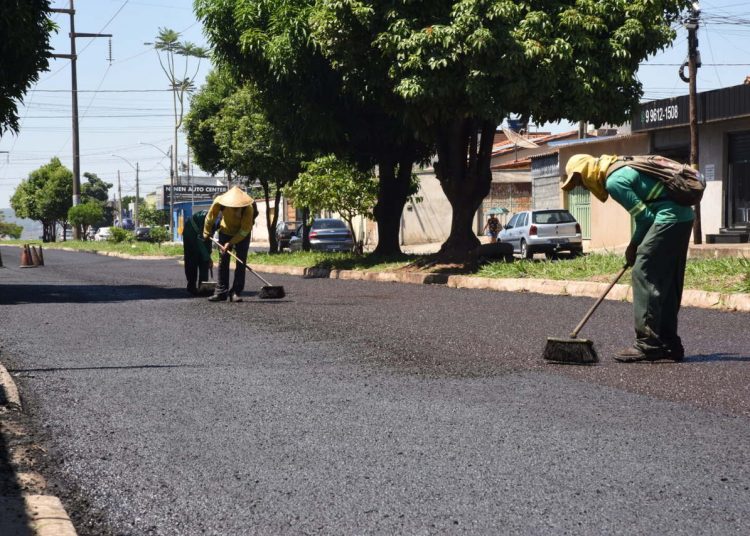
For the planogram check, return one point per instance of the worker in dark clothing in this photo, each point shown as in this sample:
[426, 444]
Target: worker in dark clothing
[238, 213]
[196, 252]
[657, 251]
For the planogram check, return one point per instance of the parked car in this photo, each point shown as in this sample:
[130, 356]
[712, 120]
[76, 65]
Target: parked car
[103, 234]
[143, 234]
[284, 232]
[326, 234]
[67, 235]
[543, 231]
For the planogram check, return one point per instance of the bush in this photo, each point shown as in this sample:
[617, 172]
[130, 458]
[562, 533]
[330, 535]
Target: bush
[158, 234]
[121, 235]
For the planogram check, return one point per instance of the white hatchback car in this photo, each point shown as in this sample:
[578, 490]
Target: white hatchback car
[543, 231]
[103, 234]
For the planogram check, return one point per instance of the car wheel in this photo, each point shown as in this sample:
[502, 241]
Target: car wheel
[525, 253]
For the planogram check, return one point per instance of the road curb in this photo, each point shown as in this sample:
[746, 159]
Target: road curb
[33, 514]
[591, 289]
[9, 388]
[39, 515]
[690, 298]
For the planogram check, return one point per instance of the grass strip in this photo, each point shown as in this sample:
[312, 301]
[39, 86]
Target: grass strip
[726, 274]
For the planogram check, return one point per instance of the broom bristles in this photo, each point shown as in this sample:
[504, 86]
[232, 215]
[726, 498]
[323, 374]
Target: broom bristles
[271, 293]
[570, 351]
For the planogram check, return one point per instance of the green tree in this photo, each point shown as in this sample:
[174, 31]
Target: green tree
[159, 234]
[228, 129]
[200, 122]
[304, 97]
[9, 229]
[94, 189]
[256, 150]
[455, 69]
[86, 214]
[331, 184]
[25, 27]
[152, 216]
[45, 196]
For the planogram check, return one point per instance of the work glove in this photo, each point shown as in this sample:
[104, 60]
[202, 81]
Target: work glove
[630, 254]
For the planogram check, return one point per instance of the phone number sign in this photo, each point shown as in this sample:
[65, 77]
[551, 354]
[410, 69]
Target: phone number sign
[662, 113]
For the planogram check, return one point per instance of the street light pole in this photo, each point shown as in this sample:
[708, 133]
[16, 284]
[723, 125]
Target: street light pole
[135, 207]
[168, 154]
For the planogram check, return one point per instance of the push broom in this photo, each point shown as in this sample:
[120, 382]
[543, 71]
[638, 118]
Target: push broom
[577, 351]
[267, 292]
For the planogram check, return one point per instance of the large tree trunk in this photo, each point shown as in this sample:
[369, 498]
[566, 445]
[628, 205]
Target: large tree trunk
[463, 169]
[273, 243]
[394, 188]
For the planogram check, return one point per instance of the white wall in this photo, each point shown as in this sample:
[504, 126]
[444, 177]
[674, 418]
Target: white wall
[430, 220]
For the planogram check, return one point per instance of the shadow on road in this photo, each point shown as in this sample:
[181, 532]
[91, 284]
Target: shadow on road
[707, 358]
[12, 294]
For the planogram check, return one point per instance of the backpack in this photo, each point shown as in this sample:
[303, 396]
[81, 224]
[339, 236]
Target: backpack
[683, 184]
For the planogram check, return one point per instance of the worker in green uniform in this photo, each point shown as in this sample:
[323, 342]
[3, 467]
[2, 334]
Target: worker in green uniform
[657, 251]
[238, 212]
[196, 252]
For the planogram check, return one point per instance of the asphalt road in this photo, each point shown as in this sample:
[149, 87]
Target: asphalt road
[367, 408]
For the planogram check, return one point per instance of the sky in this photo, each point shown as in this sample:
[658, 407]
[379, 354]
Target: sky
[126, 104]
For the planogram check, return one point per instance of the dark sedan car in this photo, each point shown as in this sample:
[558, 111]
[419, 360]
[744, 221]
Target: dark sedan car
[326, 234]
[143, 234]
[284, 231]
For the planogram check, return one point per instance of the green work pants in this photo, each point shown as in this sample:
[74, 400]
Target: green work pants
[658, 278]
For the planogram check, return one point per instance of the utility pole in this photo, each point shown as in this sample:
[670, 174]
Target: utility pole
[137, 194]
[74, 104]
[691, 23]
[119, 200]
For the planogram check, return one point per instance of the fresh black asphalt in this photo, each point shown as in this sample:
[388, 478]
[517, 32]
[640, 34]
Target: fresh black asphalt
[366, 408]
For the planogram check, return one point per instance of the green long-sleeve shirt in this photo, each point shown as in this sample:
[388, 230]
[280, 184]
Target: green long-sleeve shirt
[646, 200]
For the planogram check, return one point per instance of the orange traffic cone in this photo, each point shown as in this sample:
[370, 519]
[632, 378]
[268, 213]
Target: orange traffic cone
[41, 256]
[26, 261]
[35, 256]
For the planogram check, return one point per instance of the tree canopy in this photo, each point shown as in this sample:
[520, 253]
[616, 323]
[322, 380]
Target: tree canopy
[45, 196]
[334, 185]
[270, 43]
[86, 214]
[25, 28]
[457, 68]
[228, 128]
[94, 189]
[444, 71]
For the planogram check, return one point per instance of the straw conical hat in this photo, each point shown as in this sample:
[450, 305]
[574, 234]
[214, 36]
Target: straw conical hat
[234, 198]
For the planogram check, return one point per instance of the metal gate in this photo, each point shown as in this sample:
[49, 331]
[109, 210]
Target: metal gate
[579, 202]
[738, 186]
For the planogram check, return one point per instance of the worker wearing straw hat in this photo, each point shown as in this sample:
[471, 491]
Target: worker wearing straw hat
[657, 251]
[238, 212]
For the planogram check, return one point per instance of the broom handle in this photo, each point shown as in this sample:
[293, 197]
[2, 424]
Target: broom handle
[585, 319]
[256, 274]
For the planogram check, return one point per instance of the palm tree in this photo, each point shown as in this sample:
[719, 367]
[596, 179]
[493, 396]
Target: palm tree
[168, 46]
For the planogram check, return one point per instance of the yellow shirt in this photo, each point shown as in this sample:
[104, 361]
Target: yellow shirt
[235, 222]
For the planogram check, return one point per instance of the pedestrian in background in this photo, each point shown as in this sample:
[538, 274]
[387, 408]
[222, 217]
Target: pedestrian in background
[196, 252]
[492, 228]
[657, 250]
[238, 212]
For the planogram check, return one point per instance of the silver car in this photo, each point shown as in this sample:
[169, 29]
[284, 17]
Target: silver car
[326, 234]
[543, 231]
